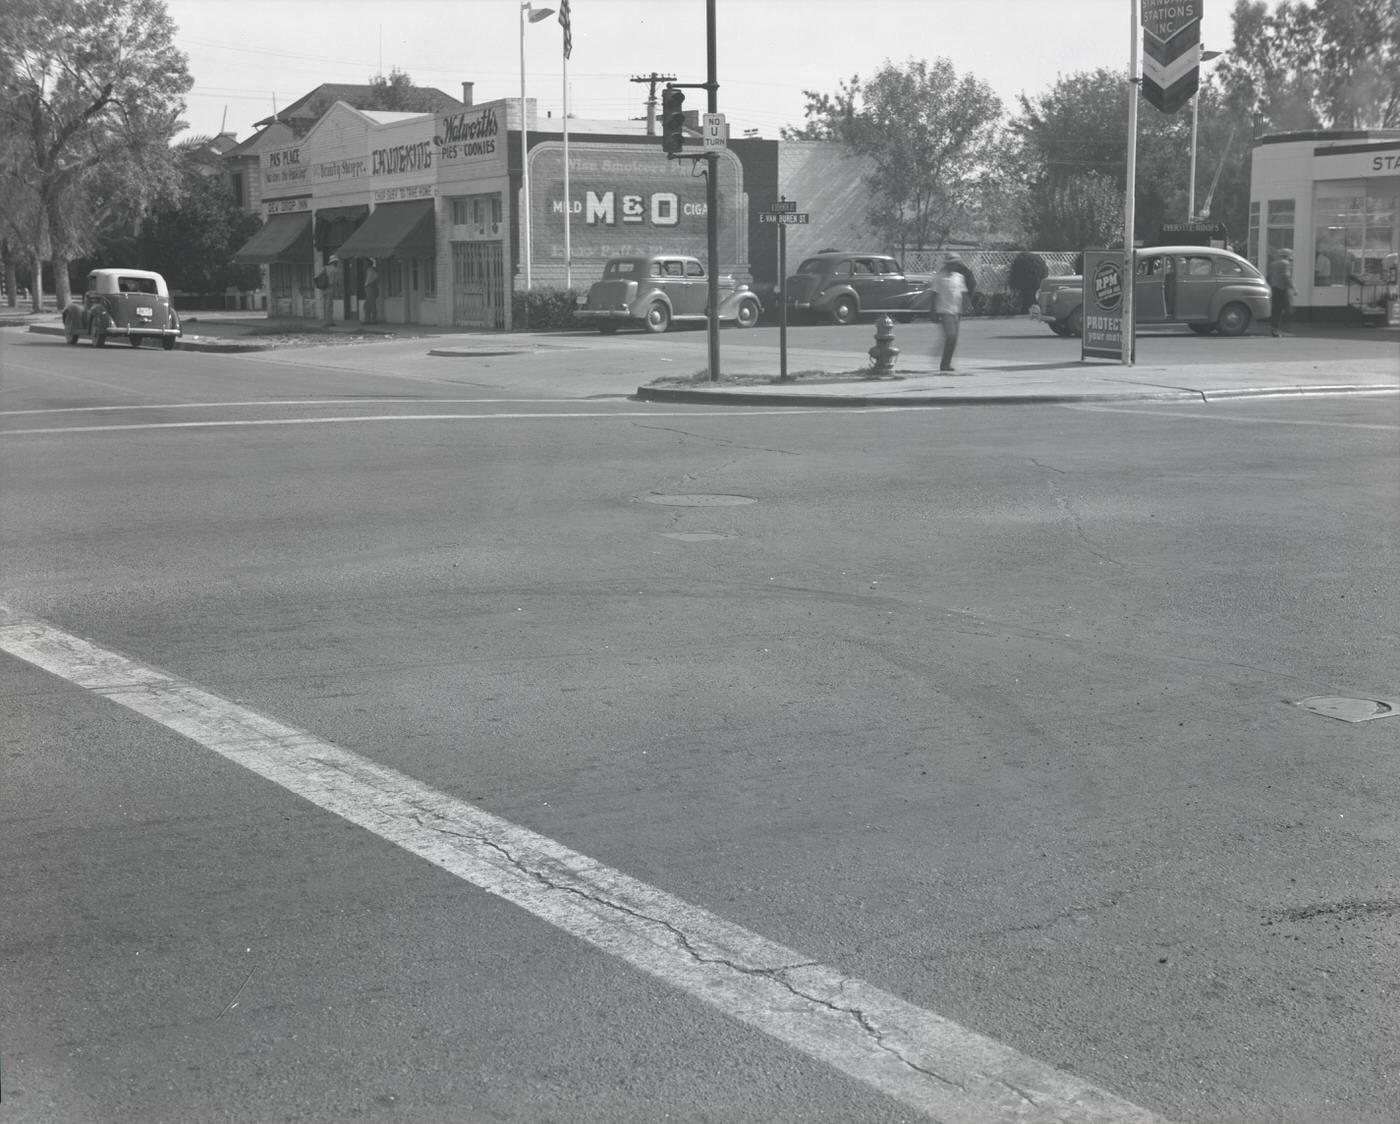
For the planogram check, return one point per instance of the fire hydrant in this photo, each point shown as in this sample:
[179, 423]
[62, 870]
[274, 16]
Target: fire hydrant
[884, 353]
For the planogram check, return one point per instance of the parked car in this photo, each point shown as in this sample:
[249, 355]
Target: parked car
[1207, 289]
[134, 303]
[844, 286]
[655, 290]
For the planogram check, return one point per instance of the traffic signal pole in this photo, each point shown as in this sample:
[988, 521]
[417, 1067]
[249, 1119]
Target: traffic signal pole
[712, 194]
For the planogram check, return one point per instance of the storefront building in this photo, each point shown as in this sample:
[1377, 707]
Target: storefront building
[1333, 199]
[422, 197]
[433, 201]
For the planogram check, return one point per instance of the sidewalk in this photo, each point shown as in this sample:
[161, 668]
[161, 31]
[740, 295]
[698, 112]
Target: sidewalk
[990, 383]
[828, 377]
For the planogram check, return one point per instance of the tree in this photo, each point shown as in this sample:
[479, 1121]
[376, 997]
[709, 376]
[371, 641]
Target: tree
[193, 233]
[90, 94]
[932, 138]
[1332, 65]
[1074, 141]
[398, 94]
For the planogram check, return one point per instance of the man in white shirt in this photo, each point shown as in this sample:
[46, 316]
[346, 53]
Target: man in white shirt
[949, 287]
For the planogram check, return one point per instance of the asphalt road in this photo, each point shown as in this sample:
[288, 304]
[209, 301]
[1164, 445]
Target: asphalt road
[382, 744]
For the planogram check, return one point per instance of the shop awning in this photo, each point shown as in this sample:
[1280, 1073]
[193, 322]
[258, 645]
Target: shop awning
[335, 224]
[395, 230]
[283, 238]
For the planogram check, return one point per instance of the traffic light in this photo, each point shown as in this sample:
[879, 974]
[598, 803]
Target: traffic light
[672, 120]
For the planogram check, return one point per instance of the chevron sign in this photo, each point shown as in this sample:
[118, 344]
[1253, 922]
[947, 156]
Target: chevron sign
[1171, 52]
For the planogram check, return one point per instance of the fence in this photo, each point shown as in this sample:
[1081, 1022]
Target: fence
[991, 268]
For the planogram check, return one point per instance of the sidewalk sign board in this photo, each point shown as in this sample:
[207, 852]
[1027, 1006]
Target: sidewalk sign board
[1102, 331]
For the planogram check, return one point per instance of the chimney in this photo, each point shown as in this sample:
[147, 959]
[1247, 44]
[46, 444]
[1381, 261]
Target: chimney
[467, 92]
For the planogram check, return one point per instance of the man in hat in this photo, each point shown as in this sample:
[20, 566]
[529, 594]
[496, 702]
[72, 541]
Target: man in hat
[332, 285]
[1281, 290]
[949, 288]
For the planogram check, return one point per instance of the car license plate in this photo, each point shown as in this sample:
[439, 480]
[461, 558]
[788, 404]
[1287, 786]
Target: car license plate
[146, 312]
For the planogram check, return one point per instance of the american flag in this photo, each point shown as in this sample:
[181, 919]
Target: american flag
[568, 29]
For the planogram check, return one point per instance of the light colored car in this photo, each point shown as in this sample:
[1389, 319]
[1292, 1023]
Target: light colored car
[1207, 289]
[844, 286]
[655, 290]
[134, 303]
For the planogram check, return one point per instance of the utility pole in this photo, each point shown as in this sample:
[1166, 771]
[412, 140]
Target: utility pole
[652, 80]
[712, 193]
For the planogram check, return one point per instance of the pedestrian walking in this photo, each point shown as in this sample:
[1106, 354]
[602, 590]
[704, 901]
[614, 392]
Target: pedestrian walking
[372, 294]
[1281, 290]
[949, 288]
[328, 281]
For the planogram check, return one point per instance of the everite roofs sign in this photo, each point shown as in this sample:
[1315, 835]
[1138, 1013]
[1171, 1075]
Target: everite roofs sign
[1171, 51]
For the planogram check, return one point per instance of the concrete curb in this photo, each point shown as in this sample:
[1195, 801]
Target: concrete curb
[184, 343]
[1054, 398]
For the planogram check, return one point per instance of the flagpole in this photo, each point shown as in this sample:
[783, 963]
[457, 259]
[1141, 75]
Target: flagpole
[566, 24]
[1129, 218]
[568, 200]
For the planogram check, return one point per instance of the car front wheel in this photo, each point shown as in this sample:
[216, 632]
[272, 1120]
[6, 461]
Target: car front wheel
[98, 332]
[70, 332]
[1074, 322]
[1202, 329]
[746, 315]
[658, 318]
[844, 310]
[1234, 319]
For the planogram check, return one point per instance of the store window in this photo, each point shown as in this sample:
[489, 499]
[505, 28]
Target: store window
[1355, 231]
[1280, 230]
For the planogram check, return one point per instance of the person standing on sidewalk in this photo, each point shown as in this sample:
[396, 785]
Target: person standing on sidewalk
[332, 277]
[1281, 290]
[949, 287]
[372, 294]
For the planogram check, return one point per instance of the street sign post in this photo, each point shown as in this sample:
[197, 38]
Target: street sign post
[782, 213]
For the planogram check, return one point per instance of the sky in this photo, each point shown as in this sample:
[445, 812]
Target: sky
[251, 57]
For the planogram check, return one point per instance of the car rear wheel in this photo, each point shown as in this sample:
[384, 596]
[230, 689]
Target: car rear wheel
[844, 310]
[746, 315]
[1234, 319]
[134, 340]
[1074, 322]
[168, 342]
[658, 318]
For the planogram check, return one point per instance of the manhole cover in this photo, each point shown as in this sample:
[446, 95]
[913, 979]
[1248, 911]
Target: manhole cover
[1349, 710]
[694, 536]
[703, 499]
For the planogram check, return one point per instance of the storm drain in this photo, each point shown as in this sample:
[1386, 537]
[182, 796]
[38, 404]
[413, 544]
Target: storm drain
[1350, 710]
[703, 499]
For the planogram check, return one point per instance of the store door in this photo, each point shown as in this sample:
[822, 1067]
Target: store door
[478, 285]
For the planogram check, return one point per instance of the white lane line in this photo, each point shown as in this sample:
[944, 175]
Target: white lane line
[1168, 412]
[638, 412]
[266, 403]
[914, 1055]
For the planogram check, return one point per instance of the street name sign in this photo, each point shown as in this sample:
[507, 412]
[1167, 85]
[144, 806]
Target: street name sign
[782, 205]
[784, 218]
[1171, 52]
